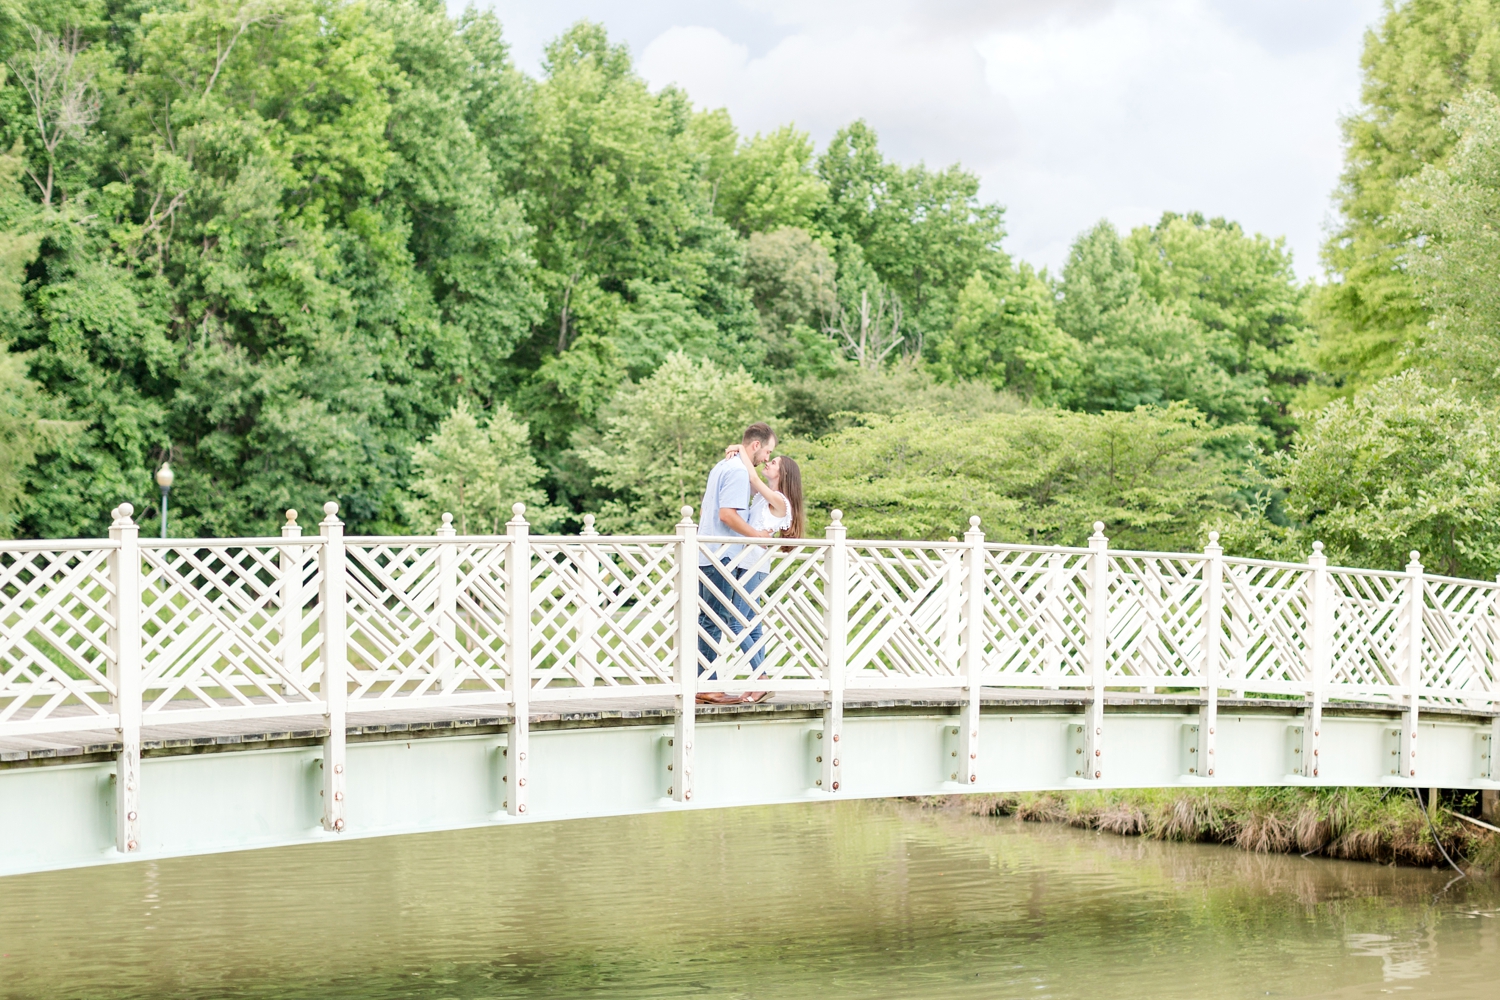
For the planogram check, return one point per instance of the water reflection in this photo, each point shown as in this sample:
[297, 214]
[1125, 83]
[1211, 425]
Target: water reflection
[848, 900]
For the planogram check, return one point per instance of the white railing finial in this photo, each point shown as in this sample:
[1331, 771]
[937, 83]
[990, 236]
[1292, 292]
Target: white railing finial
[519, 510]
[837, 518]
[121, 516]
[1415, 565]
[588, 525]
[331, 512]
[1098, 535]
[687, 517]
[445, 530]
[291, 529]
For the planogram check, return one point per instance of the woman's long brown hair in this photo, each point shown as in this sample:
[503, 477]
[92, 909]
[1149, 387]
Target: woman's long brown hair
[791, 488]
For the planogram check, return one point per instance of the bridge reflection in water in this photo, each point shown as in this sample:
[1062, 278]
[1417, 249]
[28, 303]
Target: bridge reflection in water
[181, 696]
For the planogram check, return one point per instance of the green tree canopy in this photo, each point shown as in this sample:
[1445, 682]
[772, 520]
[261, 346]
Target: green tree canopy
[1037, 476]
[660, 437]
[1401, 466]
[1423, 55]
[477, 472]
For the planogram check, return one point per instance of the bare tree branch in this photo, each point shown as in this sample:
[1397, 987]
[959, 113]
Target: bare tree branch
[62, 93]
[872, 338]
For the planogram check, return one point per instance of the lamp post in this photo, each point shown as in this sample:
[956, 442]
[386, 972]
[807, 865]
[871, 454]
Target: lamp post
[164, 479]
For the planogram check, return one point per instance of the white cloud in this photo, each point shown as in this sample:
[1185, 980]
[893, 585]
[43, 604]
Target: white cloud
[1068, 111]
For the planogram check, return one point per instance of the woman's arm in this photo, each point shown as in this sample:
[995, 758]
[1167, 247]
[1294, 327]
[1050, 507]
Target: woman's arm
[774, 500]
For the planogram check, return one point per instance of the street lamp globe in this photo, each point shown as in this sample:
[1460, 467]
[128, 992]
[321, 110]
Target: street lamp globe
[164, 476]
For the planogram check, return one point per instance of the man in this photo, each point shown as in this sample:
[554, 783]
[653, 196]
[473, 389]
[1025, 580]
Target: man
[726, 505]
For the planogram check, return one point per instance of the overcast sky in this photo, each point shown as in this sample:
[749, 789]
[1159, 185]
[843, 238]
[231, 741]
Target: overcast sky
[1069, 110]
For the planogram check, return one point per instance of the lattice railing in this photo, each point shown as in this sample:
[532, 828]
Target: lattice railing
[1036, 616]
[765, 622]
[233, 628]
[56, 663]
[1266, 628]
[603, 611]
[218, 640]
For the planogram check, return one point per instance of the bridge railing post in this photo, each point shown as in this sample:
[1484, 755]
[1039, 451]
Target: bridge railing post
[975, 601]
[1412, 668]
[333, 623]
[290, 565]
[685, 669]
[589, 619]
[518, 658]
[1098, 620]
[1213, 632]
[446, 607]
[836, 651]
[1320, 615]
[125, 643]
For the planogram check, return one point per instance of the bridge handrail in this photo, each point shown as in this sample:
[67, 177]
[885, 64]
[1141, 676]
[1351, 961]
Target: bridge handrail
[127, 631]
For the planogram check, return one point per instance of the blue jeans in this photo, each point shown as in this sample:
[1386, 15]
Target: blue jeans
[715, 591]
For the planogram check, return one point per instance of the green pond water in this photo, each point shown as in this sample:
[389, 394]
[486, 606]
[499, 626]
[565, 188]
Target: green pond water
[855, 899]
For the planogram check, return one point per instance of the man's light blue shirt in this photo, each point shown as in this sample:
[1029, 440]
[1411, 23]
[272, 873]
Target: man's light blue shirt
[728, 486]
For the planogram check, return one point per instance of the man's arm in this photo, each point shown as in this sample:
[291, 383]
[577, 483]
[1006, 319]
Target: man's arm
[732, 520]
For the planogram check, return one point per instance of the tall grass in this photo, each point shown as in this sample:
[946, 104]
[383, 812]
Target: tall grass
[1363, 824]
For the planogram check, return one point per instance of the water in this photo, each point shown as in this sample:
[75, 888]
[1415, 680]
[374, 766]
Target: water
[857, 899]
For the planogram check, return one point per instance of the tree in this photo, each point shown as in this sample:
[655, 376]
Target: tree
[1005, 332]
[1423, 55]
[477, 472]
[763, 183]
[1455, 257]
[1401, 466]
[1235, 284]
[1034, 476]
[1140, 352]
[923, 232]
[659, 438]
[791, 280]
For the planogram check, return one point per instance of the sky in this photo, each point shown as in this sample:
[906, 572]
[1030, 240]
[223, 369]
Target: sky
[1068, 110]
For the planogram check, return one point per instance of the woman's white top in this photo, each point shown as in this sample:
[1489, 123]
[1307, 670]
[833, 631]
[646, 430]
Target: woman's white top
[761, 517]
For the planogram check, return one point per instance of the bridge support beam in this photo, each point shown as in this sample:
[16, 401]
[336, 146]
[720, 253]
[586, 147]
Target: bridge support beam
[125, 643]
[974, 632]
[681, 787]
[332, 617]
[518, 661]
[1213, 634]
[1098, 622]
[1320, 611]
[1412, 667]
[836, 634]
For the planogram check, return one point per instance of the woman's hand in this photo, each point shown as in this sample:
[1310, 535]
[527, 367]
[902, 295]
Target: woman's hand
[732, 450]
[745, 459]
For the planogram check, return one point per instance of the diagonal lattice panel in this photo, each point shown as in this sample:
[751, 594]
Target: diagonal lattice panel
[1266, 627]
[406, 647]
[55, 658]
[212, 628]
[1460, 633]
[1367, 632]
[1156, 607]
[898, 598]
[781, 616]
[1036, 615]
[603, 614]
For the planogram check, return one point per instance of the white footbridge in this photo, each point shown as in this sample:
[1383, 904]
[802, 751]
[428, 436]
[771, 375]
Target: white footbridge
[181, 696]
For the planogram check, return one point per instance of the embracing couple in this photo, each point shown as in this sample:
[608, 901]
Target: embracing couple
[749, 495]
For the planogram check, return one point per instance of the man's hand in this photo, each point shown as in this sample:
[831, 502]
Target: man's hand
[731, 519]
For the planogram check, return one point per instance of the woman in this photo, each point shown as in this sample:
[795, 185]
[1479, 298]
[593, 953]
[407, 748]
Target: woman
[776, 509]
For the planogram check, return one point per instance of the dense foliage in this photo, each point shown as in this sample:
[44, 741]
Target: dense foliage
[326, 248]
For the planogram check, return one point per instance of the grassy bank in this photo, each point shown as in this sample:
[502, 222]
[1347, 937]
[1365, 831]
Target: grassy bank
[1360, 824]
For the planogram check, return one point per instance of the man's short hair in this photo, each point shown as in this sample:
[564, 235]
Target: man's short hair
[759, 433]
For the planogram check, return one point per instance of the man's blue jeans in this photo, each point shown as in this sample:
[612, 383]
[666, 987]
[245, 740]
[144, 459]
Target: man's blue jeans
[715, 591]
